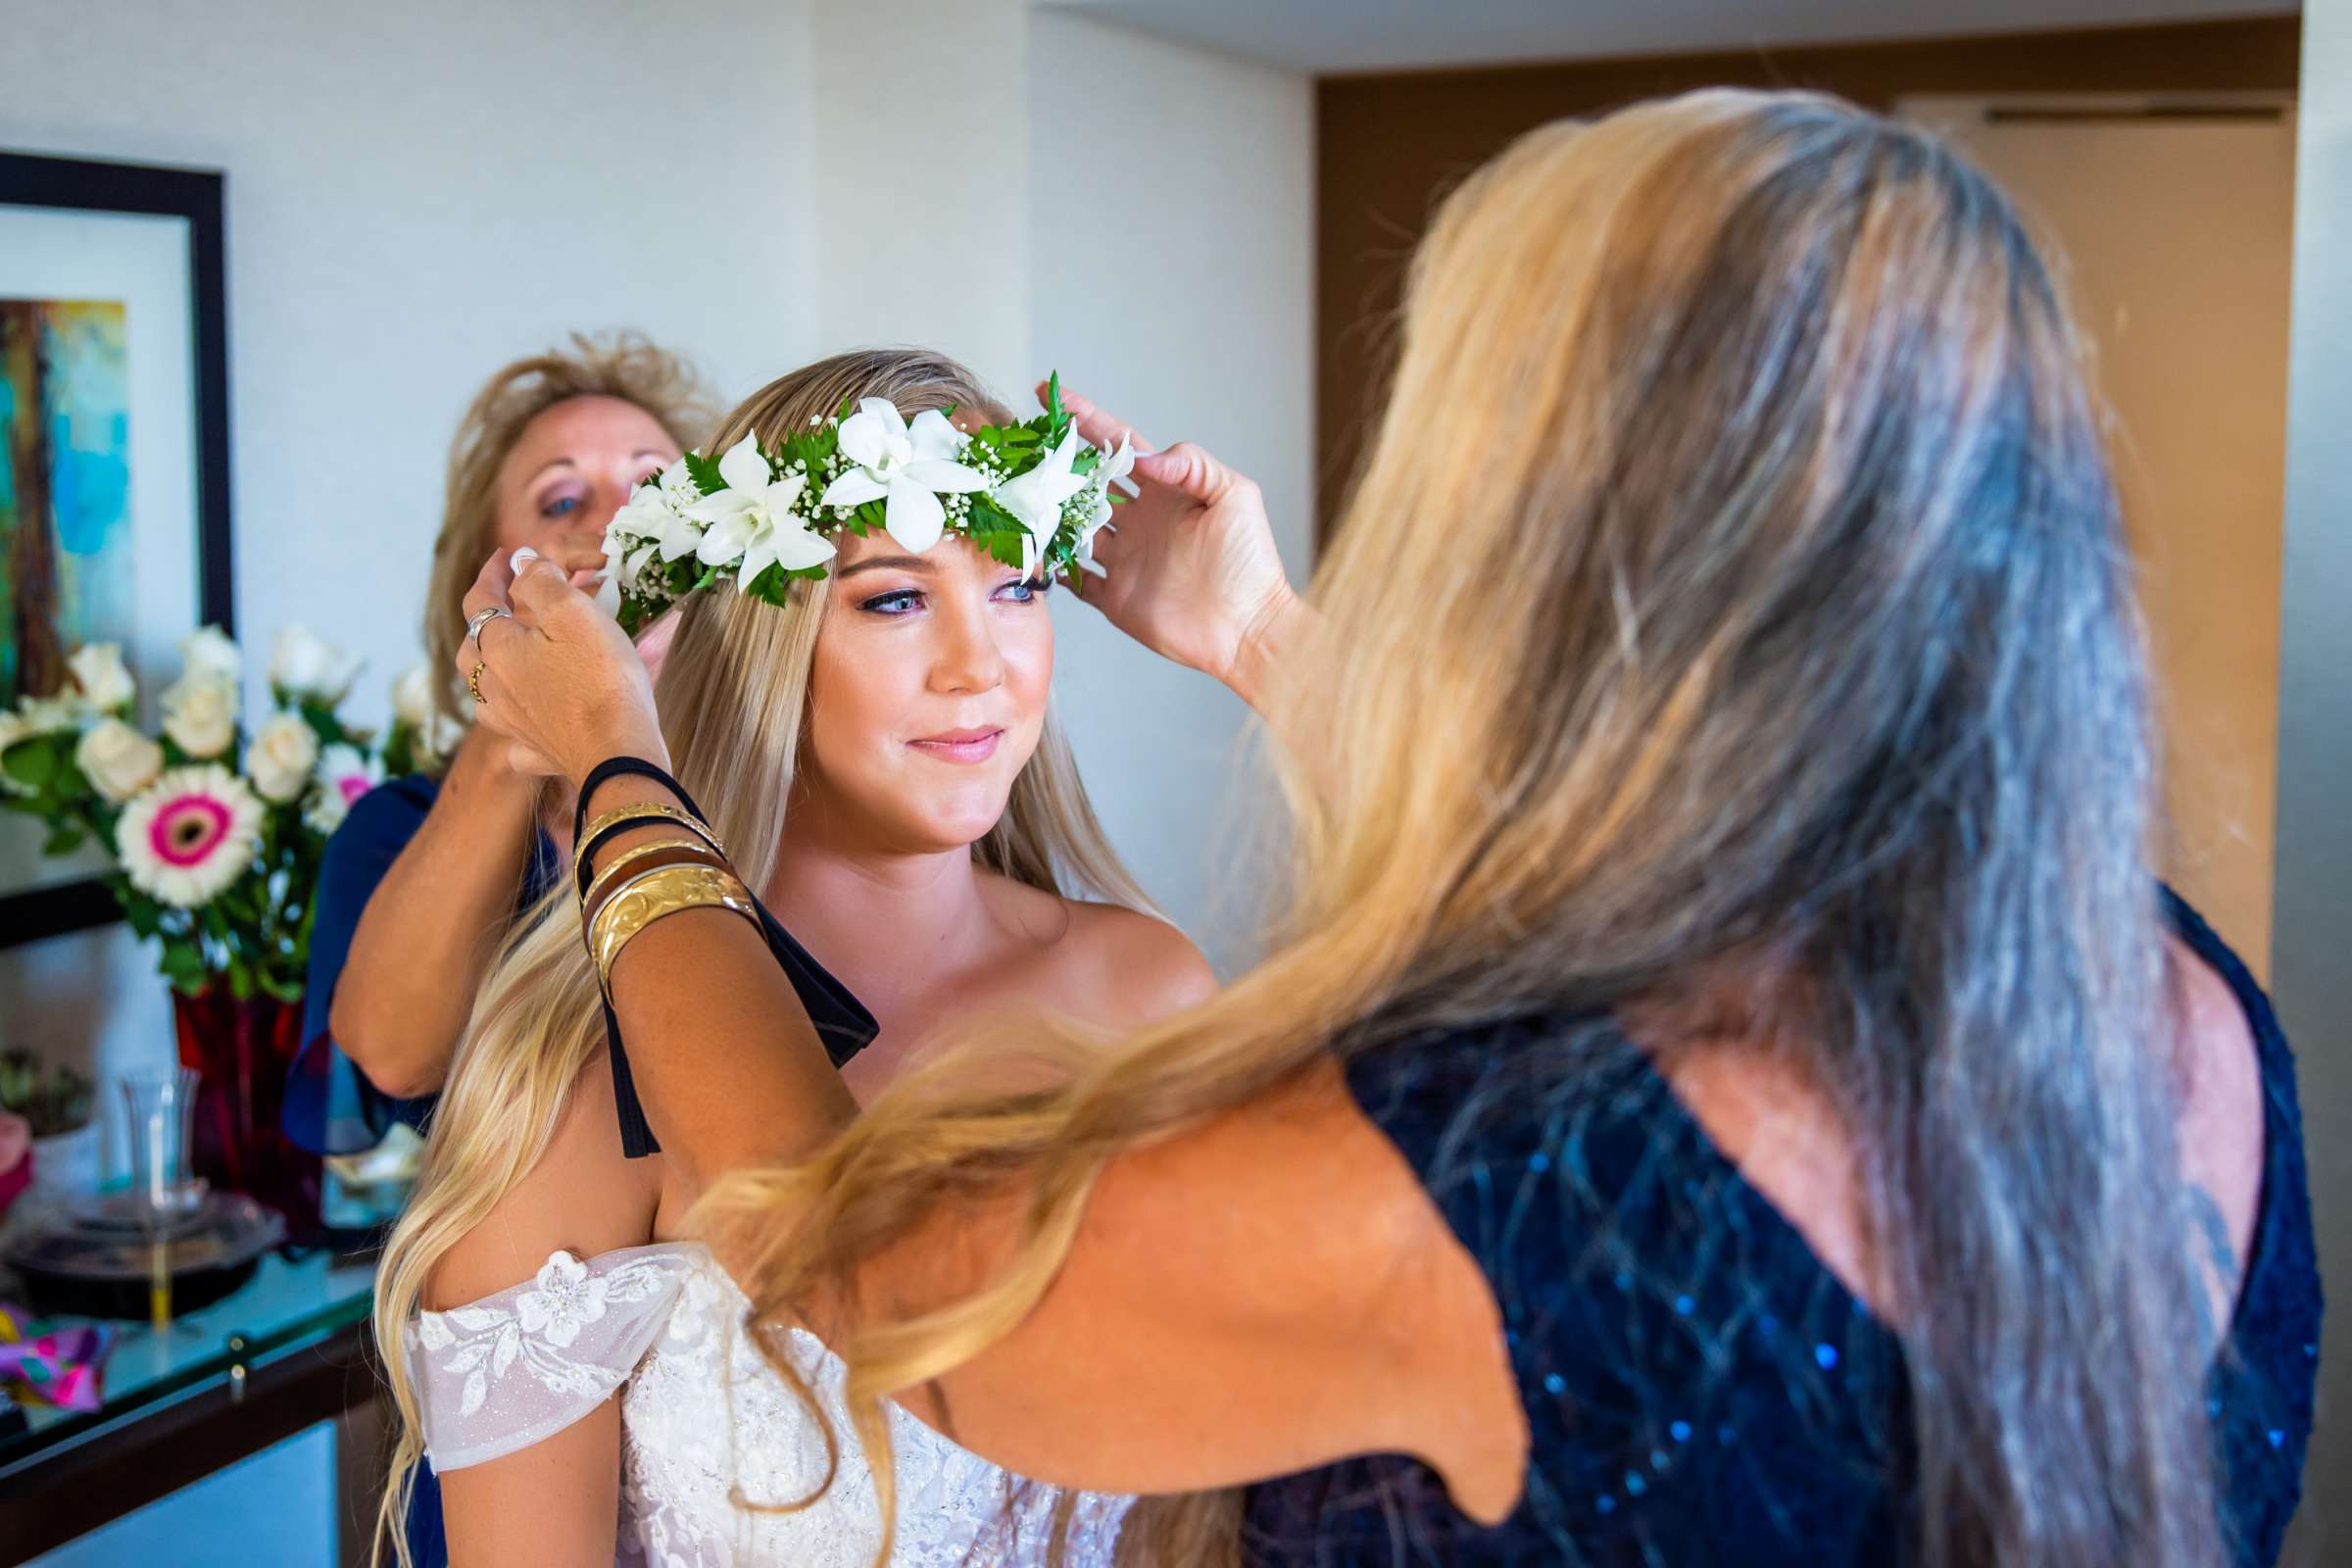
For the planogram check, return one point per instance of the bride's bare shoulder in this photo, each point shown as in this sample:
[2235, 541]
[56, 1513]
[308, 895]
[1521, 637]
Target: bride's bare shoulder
[1146, 953]
[1138, 966]
[1117, 966]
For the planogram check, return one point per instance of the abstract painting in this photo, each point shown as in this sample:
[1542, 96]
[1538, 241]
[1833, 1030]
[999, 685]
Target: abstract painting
[114, 456]
[65, 531]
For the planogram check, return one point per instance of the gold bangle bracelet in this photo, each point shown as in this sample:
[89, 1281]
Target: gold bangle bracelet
[630, 857]
[593, 918]
[649, 812]
[656, 893]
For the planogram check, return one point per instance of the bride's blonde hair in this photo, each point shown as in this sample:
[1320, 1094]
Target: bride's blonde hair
[1735, 578]
[732, 694]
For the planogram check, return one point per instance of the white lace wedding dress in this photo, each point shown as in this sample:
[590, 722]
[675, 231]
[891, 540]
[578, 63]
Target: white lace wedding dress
[705, 1422]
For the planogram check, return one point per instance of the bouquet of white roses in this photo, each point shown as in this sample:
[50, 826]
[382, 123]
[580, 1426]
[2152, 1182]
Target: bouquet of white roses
[217, 835]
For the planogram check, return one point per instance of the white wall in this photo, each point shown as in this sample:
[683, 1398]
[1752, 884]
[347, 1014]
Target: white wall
[922, 194]
[2314, 909]
[417, 193]
[1172, 242]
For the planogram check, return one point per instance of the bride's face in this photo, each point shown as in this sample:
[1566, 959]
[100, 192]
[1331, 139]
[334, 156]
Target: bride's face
[927, 692]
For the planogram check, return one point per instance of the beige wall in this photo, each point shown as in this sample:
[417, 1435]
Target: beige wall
[2177, 236]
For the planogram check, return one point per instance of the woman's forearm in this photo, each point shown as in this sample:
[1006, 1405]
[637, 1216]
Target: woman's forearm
[432, 925]
[726, 1064]
[1272, 652]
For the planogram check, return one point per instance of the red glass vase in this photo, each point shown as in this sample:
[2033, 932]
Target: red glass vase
[241, 1052]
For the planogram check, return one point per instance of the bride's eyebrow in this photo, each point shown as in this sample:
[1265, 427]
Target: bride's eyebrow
[882, 562]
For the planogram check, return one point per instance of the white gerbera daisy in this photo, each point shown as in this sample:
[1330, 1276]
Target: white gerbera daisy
[188, 835]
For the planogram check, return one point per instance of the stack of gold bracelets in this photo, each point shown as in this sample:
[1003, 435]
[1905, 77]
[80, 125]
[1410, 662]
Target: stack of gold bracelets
[648, 881]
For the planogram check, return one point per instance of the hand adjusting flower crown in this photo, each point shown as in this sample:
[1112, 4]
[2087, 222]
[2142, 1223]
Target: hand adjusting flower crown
[1032, 495]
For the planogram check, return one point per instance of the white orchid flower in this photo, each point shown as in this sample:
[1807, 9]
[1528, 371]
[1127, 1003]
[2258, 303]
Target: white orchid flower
[607, 585]
[1083, 558]
[653, 523]
[649, 525]
[678, 486]
[1113, 468]
[620, 547]
[907, 465]
[752, 523]
[1035, 499]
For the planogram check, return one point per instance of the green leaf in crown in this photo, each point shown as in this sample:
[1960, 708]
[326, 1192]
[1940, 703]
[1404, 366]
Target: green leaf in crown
[1034, 494]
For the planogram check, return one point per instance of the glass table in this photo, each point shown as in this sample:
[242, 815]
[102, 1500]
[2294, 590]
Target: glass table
[285, 1349]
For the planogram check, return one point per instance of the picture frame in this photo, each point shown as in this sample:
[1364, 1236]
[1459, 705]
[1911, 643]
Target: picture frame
[119, 271]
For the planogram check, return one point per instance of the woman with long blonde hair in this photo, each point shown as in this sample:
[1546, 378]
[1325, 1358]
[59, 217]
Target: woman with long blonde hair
[1730, 1084]
[883, 742]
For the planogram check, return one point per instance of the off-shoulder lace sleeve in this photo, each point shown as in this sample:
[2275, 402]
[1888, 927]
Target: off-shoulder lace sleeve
[512, 1369]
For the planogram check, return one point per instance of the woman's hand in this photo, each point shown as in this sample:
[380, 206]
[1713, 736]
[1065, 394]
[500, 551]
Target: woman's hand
[557, 676]
[1193, 573]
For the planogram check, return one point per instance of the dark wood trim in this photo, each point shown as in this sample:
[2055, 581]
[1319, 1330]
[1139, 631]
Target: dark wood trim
[1389, 146]
[196, 195]
[39, 912]
[157, 1451]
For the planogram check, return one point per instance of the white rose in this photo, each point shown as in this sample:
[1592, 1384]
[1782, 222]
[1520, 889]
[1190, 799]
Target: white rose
[12, 730]
[412, 697]
[208, 651]
[308, 665]
[104, 681]
[200, 712]
[281, 759]
[448, 734]
[117, 759]
[47, 715]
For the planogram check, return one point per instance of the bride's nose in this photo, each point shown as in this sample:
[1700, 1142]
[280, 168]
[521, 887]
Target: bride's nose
[966, 658]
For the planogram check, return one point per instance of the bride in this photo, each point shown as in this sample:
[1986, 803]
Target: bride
[882, 743]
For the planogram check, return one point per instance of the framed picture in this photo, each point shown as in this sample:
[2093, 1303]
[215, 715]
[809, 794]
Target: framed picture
[113, 454]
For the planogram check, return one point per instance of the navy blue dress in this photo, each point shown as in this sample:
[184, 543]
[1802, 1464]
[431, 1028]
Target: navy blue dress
[1699, 1387]
[330, 1107]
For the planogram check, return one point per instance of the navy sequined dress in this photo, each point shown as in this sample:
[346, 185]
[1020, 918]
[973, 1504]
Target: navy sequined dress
[1699, 1387]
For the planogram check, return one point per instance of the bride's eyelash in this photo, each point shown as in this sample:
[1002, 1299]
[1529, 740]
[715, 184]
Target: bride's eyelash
[907, 600]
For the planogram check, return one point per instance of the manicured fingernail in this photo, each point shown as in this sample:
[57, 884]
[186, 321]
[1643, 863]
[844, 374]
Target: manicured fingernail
[524, 557]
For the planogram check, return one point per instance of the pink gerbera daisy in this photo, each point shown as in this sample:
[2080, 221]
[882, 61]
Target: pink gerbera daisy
[190, 834]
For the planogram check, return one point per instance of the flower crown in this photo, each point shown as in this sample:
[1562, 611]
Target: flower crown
[1032, 495]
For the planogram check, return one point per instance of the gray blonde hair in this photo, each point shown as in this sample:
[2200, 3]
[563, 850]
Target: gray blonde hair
[1734, 602]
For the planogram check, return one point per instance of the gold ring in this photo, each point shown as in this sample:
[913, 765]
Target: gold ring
[474, 682]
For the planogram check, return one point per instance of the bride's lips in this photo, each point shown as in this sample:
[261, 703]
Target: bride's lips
[960, 745]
